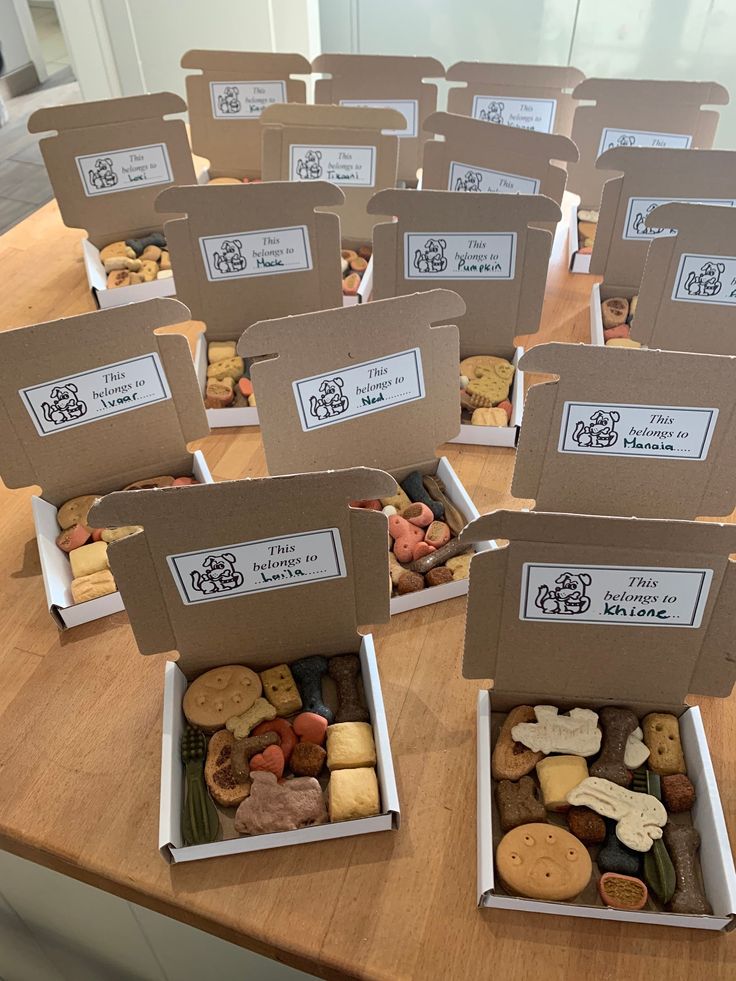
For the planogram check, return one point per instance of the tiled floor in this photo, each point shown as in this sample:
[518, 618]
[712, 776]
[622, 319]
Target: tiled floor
[50, 38]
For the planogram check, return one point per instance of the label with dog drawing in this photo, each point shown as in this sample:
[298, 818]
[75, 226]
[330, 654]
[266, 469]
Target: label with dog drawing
[409, 109]
[256, 567]
[354, 165]
[237, 255]
[459, 255]
[635, 229]
[637, 137]
[124, 170]
[627, 596]
[535, 114]
[95, 394]
[620, 429]
[359, 389]
[706, 279]
[244, 100]
[468, 177]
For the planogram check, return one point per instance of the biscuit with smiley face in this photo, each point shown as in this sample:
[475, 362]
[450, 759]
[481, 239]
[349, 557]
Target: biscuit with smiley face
[541, 861]
[219, 694]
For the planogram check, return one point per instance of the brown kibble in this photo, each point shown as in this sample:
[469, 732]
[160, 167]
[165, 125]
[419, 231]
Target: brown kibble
[308, 759]
[586, 825]
[410, 582]
[678, 793]
[439, 576]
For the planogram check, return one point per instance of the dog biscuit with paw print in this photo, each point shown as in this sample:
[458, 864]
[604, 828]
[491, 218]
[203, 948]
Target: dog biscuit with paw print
[491, 383]
[576, 733]
[217, 695]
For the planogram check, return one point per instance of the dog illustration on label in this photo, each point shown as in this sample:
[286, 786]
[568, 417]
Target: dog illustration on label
[228, 102]
[64, 405]
[470, 181]
[599, 431]
[432, 259]
[706, 282]
[493, 113]
[103, 175]
[639, 227]
[331, 401]
[231, 258]
[309, 167]
[568, 595]
[218, 576]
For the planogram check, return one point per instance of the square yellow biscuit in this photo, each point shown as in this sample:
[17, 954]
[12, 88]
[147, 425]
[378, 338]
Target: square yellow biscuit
[220, 351]
[93, 586]
[280, 689]
[349, 745]
[88, 559]
[228, 368]
[353, 794]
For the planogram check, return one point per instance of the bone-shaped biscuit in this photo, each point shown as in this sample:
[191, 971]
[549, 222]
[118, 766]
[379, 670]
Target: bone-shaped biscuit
[640, 817]
[575, 733]
[682, 843]
[617, 724]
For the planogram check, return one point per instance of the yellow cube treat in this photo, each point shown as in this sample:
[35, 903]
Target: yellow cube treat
[350, 745]
[622, 342]
[93, 586]
[558, 775]
[229, 368]
[489, 417]
[280, 689]
[353, 794]
[220, 351]
[89, 559]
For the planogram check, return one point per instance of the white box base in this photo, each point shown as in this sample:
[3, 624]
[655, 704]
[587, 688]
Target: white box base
[105, 298]
[57, 571]
[171, 844]
[576, 262]
[716, 860]
[499, 435]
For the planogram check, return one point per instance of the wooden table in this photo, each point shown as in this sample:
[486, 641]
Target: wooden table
[80, 734]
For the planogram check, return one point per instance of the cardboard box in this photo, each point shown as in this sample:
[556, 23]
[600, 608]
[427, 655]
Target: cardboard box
[384, 81]
[259, 623]
[502, 160]
[68, 429]
[578, 262]
[535, 97]
[600, 661]
[107, 164]
[502, 286]
[361, 351]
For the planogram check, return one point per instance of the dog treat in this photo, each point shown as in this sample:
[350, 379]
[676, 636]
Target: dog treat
[558, 775]
[353, 794]
[287, 806]
[310, 728]
[617, 725]
[541, 861]
[199, 821]
[308, 759]
[226, 788]
[577, 732]
[115, 534]
[615, 856]
[354, 265]
[410, 582]
[351, 284]
[622, 342]
[659, 873]
[632, 306]
[621, 330]
[243, 724]
[344, 669]
[512, 760]
[245, 387]
[285, 732]
[73, 537]
[151, 483]
[489, 417]
[640, 817]
[519, 803]
[437, 534]
[636, 752]
[622, 891]
[406, 537]
[93, 586]
[243, 749]
[280, 689]
[220, 351]
[308, 673]
[219, 394]
[489, 383]
[436, 490]
[438, 577]
[588, 214]
[350, 745]
[135, 261]
[614, 311]
[440, 556]
[662, 736]
[678, 793]
[117, 262]
[586, 825]
[271, 760]
[415, 490]
[229, 368]
[88, 559]
[459, 566]
[116, 249]
[418, 514]
[75, 511]
[369, 504]
[399, 500]
[139, 244]
[217, 695]
[396, 570]
[682, 844]
[118, 278]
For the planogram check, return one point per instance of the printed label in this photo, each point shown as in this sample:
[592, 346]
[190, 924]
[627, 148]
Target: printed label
[124, 170]
[409, 109]
[706, 279]
[340, 164]
[262, 253]
[536, 114]
[255, 567]
[92, 395]
[637, 137]
[466, 177]
[627, 596]
[459, 255]
[244, 100]
[639, 208]
[357, 390]
[618, 429]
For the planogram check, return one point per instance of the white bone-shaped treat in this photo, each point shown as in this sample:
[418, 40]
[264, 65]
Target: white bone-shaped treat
[637, 752]
[640, 817]
[575, 733]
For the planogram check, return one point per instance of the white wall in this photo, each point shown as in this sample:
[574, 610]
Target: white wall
[14, 47]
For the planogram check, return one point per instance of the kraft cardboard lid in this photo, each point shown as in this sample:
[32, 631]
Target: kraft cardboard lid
[666, 108]
[228, 301]
[553, 659]
[686, 300]
[590, 477]
[88, 457]
[98, 188]
[262, 620]
[230, 137]
[333, 343]
[650, 175]
[496, 309]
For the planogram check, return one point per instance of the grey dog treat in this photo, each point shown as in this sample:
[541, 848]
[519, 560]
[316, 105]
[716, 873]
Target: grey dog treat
[682, 843]
[519, 803]
[617, 725]
[344, 669]
[616, 857]
[139, 244]
[414, 490]
[243, 749]
[440, 556]
[308, 673]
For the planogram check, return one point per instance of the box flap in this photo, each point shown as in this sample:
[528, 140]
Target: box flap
[626, 432]
[483, 247]
[228, 573]
[535, 97]
[651, 177]
[547, 614]
[394, 81]
[250, 251]
[70, 421]
[634, 112]
[372, 384]
[227, 97]
[505, 159]
[346, 145]
[687, 297]
[109, 160]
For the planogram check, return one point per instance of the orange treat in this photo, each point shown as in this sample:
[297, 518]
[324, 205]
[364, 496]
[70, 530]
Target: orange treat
[421, 549]
[506, 406]
[74, 537]
[367, 505]
[271, 760]
[620, 330]
[351, 284]
[310, 728]
[246, 386]
[283, 730]
[358, 264]
[184, 481]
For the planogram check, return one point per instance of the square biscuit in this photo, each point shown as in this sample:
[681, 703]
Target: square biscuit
[88, 559]
[353, 794]
[280, 689]
[350, 745]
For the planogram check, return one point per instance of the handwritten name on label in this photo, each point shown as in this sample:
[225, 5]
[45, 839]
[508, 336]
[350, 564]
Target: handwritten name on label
[324, 400]
[267, 252]
[626, 596]
[95, 394]
[536, 114]
[459, 255]
[706, 279]
[467, 177]
[636, 137]
[635, 228]
[620, 429]
[256, 567]
[244, 100]
[112, 171]
[409, 109]
[354, 165]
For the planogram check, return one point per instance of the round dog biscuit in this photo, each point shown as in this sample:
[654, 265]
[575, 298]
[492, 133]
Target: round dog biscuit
[217, 695]
[468, 365]
[541, 861]
[75, 511]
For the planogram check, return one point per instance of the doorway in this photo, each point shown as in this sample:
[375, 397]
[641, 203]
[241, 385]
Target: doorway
[50, 36]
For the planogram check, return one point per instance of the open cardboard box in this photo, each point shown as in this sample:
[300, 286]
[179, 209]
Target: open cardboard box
[69, 427]
[623, 112]
[107, 164]
[364, 352]
[261, 622]
[487, 251]
[599, 661]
